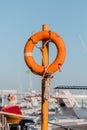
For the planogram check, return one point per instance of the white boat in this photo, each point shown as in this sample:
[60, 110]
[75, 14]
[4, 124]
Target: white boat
[69, 100]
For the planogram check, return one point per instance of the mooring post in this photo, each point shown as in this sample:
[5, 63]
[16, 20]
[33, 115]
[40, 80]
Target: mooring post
[45, 61]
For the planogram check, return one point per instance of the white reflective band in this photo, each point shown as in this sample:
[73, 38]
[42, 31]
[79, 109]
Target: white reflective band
[28, 54]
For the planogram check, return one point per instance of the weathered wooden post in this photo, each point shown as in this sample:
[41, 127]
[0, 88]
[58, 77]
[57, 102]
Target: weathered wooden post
[45, 61]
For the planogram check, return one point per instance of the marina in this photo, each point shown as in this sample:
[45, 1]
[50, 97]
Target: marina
[63, 113]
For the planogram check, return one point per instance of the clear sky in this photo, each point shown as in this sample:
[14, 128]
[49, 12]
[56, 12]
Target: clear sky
[19, 18]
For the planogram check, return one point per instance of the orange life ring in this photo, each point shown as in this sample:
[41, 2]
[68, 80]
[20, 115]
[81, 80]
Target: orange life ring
[33, 40]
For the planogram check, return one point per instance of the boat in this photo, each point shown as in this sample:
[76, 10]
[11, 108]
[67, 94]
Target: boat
[67, 101]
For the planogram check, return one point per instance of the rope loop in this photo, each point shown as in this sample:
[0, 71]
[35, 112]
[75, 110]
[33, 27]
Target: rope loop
[43, 45]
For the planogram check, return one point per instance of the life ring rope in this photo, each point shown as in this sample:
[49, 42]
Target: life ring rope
[42, 50]
[45, 72]
[43, 45]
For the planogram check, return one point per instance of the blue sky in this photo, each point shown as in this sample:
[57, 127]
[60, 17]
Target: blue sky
[19, 18]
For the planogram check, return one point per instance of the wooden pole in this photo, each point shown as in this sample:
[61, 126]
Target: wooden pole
[45, 61]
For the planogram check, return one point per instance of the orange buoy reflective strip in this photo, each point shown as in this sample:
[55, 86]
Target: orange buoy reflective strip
[40, 36]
